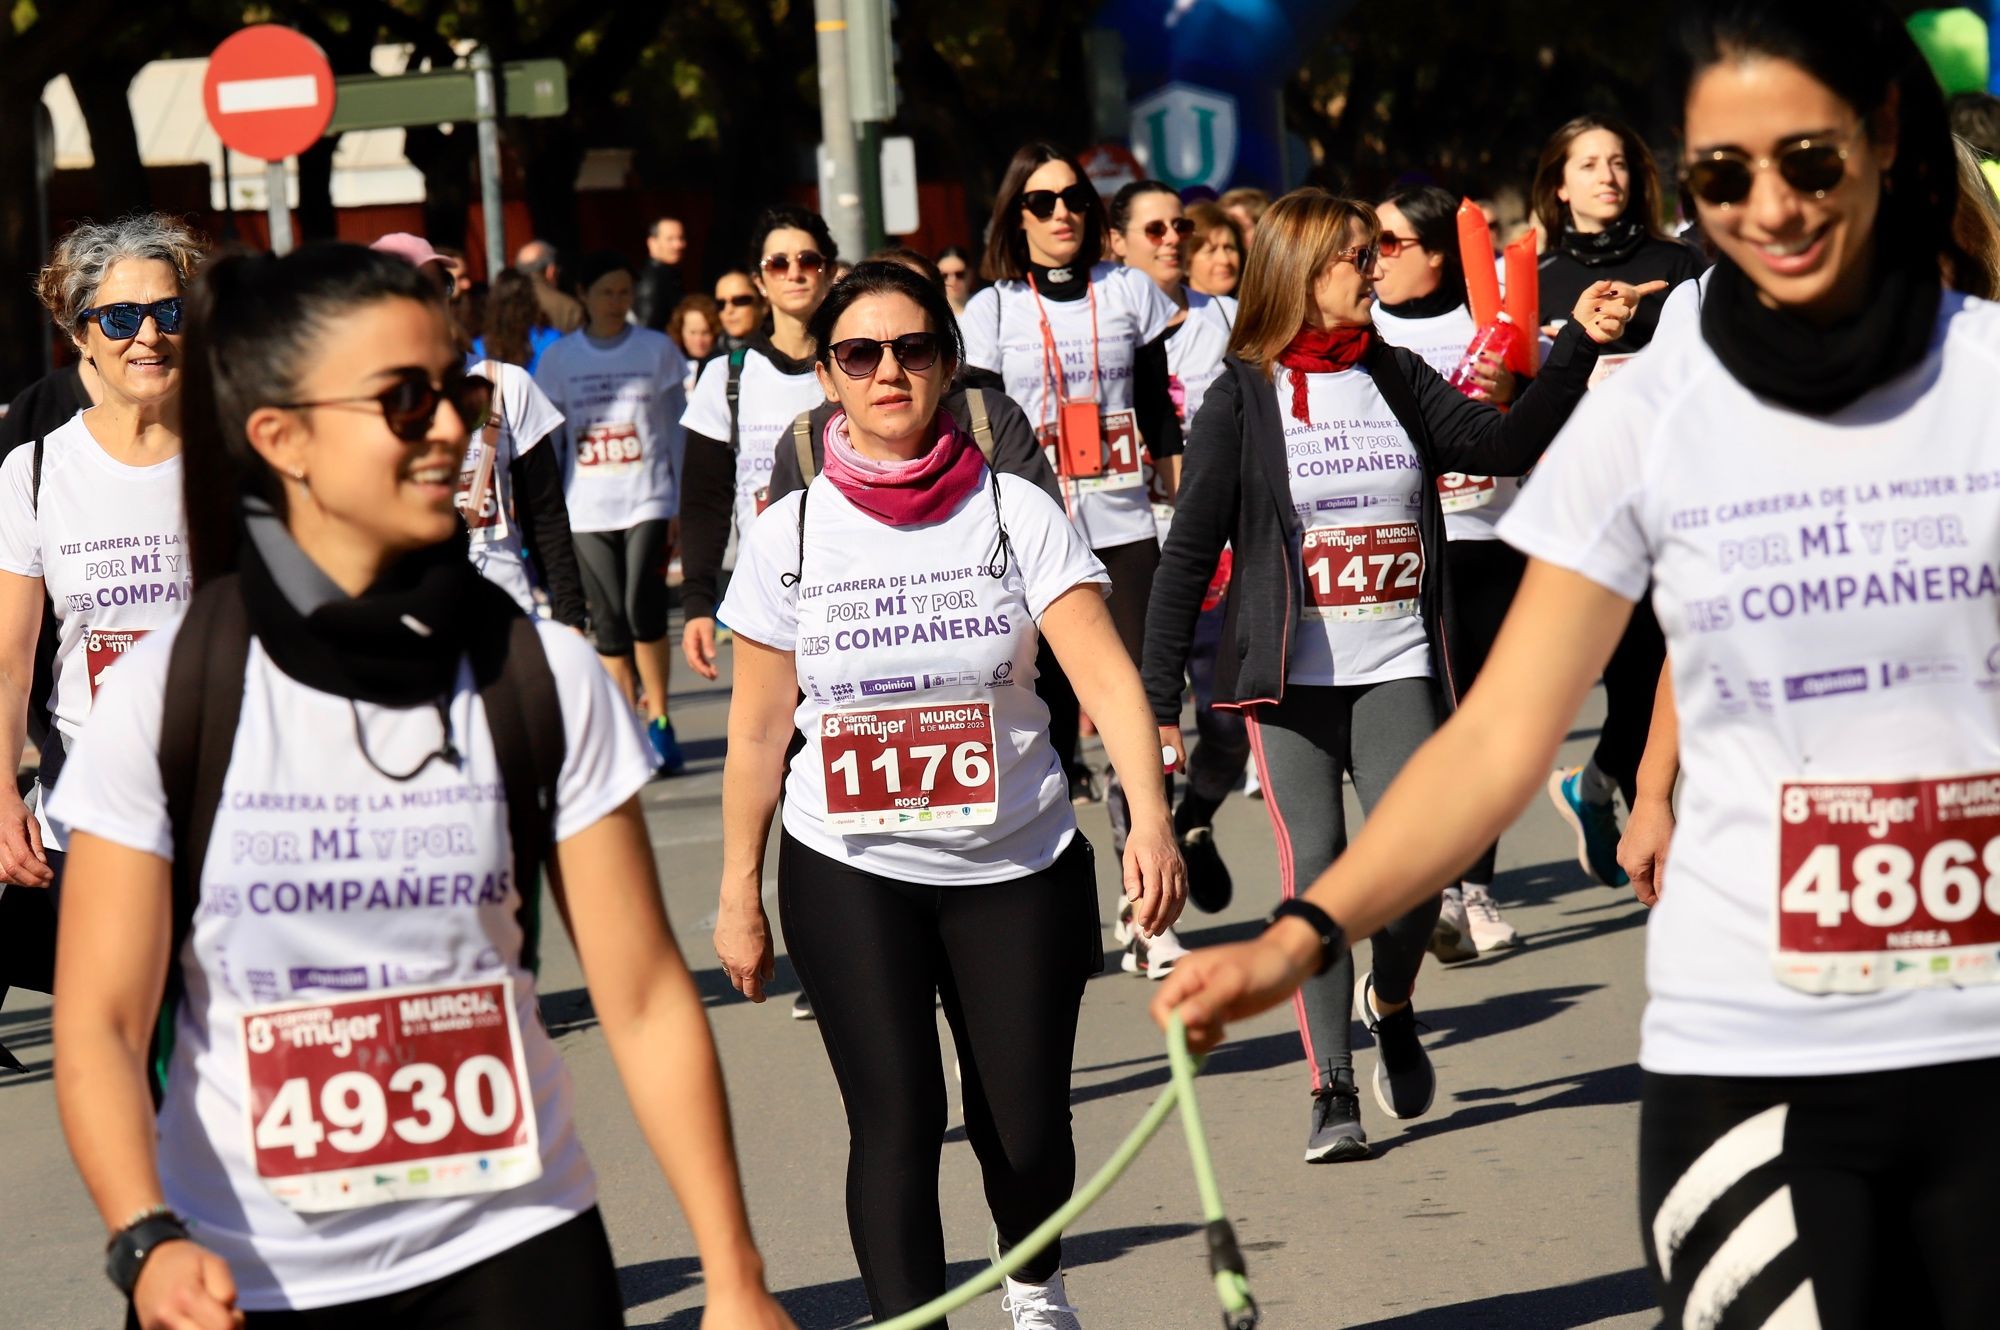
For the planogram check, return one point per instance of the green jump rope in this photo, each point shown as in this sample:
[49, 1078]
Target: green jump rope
[1225, 1258]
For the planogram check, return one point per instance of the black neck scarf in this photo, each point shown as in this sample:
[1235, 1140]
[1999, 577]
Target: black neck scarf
[397, 644]
[1061, 284]
[761, 343]
[1441, 301]
[1614, 244]
[1820, 368]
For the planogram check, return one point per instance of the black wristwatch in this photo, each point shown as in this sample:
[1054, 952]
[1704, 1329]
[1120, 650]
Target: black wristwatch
[1332, 940]
[132, 1244]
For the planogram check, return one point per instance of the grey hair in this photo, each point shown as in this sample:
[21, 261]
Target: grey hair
[68, 285]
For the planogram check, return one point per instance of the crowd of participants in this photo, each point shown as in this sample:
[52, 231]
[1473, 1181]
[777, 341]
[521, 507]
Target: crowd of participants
[336, 607]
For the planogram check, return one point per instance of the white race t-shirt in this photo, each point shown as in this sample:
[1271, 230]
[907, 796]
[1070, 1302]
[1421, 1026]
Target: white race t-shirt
[107, 541]
[1472, 504]
[768, 400]
[326, 880]
[1195, 351]
[522, 417]
[1357, 488]
[1002, 326]
[1831, 604]
[908, 621]
[623, 403]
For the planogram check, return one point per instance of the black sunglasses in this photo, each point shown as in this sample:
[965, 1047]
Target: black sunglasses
[1042, 202]
[410, 404]
[1724, 176]
[1156, 230]
[737, 302]
[123, 320]
[859, 356]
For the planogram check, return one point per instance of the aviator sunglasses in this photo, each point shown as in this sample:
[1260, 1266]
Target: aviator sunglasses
[1042, 202]
[1723, 176]
[123, 320]
[1156, 230]
[410, 404]
[858, 357]
[810, 261]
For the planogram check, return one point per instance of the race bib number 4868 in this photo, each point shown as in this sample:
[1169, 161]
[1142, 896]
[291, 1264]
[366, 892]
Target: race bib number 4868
[1888, 884]
[390, 1096]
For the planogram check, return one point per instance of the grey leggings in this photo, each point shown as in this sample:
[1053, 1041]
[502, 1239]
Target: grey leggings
[1303, 744]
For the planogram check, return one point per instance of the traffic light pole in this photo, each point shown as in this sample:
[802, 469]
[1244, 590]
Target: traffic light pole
[840, 189]
[871, 184]
[490, 207]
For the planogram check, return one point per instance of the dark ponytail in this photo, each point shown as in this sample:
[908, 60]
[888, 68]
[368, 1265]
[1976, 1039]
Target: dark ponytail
[1433, 215]
[1862, 51]
[254, 321]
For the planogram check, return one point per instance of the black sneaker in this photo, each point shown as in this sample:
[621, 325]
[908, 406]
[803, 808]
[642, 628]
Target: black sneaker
[1336, 1122]
[1405, 1084]
[1085, 787]
[1209, 883]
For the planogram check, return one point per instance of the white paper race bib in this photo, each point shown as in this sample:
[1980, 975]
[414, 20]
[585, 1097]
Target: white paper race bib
[903, 768]
[1460, 493]
[1892, 884]
[390, 1096]
[1123, 455]
[1363, 573]
[479, 490]
[610, 447]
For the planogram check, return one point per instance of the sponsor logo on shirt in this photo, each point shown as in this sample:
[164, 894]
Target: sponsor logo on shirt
[1003, 675]
[1826, 683]
[1930, 670]
[902, 683]
[951, 680]
[348, 977]
[1338, 503]
[843, 692]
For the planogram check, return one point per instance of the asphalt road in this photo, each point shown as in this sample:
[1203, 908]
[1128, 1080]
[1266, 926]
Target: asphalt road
[1510, 1205]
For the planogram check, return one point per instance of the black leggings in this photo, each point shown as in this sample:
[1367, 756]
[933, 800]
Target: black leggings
[625, 585]
[1631, 682]
[564, 1277]
[1485, 574]
[1867, 1198]
[1008, 960]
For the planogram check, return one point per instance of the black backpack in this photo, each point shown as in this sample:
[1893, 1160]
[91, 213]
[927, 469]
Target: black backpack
[204, 701]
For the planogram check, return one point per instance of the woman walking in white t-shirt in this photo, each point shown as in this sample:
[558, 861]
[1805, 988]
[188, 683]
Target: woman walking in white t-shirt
[621, 391]
[891, 613]
[90, 517]
[362, 1120]
[1809, 485]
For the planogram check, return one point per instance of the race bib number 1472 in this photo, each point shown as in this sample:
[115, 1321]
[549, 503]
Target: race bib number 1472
[1888, 884]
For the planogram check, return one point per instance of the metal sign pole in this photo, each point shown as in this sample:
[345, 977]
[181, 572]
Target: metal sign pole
[278, 207]
[489, 162]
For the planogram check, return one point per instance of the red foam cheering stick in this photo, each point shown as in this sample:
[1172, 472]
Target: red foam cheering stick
[1524, 300]
[1475, 251]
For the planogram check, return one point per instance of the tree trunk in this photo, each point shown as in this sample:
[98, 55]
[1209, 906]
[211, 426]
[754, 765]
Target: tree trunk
[446, 161]
[24, 327]
[315, 219]
[103, 88]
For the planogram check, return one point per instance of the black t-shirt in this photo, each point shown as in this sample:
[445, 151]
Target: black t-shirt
[1564, 278]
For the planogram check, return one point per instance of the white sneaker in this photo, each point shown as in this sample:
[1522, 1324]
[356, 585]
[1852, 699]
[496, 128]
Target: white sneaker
[1252, 787]
[1451, 939]
[1490, 932]
[1121, 932]
[1040, 1306]
[1162, 953]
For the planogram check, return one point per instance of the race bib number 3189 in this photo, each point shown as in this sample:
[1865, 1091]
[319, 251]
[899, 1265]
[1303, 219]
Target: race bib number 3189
[1888, 884]
[393, 1096]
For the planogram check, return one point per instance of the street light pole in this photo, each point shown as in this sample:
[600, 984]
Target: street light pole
[487, 118]
[840, 183]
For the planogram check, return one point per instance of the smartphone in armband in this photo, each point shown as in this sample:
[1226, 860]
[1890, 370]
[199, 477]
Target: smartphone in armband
[1082, 442]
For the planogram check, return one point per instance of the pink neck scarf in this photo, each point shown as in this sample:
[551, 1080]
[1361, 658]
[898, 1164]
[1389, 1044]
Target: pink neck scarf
[923, 489]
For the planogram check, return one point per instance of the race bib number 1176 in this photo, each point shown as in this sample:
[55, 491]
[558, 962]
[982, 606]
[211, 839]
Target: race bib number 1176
[1888, 884]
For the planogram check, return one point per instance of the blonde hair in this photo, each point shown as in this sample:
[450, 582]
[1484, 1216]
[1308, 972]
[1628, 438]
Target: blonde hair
[1249, 198]
[68, 285]
[1294, 243]
[1975, 227]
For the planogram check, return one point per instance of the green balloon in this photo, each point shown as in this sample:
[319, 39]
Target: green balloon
[1954, 41]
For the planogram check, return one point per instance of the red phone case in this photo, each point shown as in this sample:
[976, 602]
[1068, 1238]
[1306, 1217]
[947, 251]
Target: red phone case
[1082, 441]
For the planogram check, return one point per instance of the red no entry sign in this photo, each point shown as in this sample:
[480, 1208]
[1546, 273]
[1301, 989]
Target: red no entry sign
[268, 92]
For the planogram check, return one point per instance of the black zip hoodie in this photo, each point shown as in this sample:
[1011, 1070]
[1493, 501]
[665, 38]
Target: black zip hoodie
[1236, 490]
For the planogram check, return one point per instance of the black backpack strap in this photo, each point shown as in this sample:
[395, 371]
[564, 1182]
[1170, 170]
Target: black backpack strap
[203, 702]
[734, 391]
[35, 475]
[524, 714]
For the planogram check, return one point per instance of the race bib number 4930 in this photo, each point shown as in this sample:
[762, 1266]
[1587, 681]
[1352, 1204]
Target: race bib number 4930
[1361, 573]
[1888, 884]
[909, 768]
[392, 1096]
